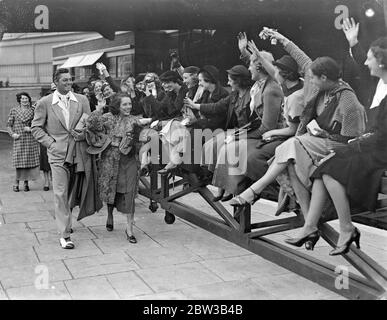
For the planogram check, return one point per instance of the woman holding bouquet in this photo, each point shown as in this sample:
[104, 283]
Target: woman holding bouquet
[113, 136]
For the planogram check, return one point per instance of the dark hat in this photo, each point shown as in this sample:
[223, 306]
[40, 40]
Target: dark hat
[140, 77]
[240, 71]
[212, 71]
[287, 63]
[170, 76]
[191, 69]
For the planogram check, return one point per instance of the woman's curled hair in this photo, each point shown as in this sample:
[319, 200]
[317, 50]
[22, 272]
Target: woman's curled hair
[20, 94]
[115, 102]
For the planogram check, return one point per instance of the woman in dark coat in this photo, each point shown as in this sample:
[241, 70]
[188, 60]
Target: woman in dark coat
[25, 156]
[352, 176]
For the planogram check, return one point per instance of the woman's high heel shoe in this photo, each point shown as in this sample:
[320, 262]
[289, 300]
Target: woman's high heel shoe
[238, 201]
[310, 240]
[355, 237]
[131, 239]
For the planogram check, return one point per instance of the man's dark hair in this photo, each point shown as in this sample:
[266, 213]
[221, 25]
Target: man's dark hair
[58, 72]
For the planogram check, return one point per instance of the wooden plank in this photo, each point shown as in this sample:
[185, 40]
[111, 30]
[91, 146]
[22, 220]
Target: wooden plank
[362, 262]
[383, 185]
[313, 269]
[275, 222]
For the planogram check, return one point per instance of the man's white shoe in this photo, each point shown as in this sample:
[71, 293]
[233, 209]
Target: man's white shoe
[66, 243]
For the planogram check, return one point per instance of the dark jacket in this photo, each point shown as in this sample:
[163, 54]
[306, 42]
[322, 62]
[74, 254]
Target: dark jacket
[212, 117]
[268, 108]
[83, 189]
[227, 106]
[167, 107]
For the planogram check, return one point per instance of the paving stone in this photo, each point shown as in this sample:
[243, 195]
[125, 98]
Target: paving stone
[120, 243]
[50, 225]
[154, 257]
[17, 240]
[230, 290]
[48, 195]
[153, 226]
[25, 200]
[13, 228]
[128, 285]
[243, 267]
[175, 277]
[83, 248]
[170, 295]
[3, 296]
[24, 275]
[52, 236]
[99, 219]
[100, 265]
[100, 232]
[11, 257]
[93, 288]
[216, 248]
[26, 217]
[56, 291]
[183, 237]
[293, 286]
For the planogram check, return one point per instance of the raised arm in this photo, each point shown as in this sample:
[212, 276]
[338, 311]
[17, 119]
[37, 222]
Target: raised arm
[269, 67]
[294, 51]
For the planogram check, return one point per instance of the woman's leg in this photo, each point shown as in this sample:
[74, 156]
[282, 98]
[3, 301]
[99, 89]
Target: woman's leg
[109, 221]
[302, 193]
[46, 178]
[130, 221]
[340, 200]
[129, 229]
[274, 170]
[319, 197]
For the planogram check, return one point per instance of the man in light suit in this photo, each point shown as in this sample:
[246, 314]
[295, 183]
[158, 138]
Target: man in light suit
[56, 116]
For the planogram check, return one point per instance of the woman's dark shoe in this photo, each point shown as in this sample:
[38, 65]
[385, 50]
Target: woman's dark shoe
[109, 227]
[355, 237]
[227, 198]
[45, 188]
[309, 240]
[131, 239]
[219, 196]
[26, 188]
[16, 188]
[238, 201]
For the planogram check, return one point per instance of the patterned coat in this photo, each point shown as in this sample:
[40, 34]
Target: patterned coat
[26, 148]
[118, 165]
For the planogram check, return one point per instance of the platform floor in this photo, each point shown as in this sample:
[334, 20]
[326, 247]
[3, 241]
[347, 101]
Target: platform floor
[178, 261]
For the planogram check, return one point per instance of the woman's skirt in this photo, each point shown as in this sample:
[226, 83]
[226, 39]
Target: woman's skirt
[359, 173]
[305, 152]
[238, 160]
[25, 174]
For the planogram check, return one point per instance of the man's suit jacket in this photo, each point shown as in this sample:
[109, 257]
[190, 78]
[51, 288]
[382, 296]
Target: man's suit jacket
[49, 126]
